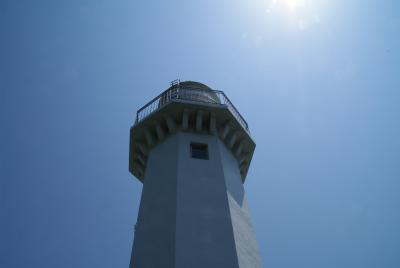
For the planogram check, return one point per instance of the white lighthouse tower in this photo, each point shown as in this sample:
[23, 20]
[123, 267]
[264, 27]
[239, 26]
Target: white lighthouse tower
[191, 149]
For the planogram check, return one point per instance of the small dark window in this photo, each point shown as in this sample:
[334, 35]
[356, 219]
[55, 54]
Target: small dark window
[199, 150]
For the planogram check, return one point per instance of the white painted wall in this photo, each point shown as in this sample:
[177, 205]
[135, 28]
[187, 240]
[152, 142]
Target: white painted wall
[193, 212]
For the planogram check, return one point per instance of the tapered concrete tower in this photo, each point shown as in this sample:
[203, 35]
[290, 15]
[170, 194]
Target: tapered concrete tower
[191, 149]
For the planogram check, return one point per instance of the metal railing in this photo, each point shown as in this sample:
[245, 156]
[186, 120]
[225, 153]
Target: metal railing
[192, 94]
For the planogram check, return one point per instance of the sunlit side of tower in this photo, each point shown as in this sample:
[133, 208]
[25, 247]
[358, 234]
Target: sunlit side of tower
[192, 149]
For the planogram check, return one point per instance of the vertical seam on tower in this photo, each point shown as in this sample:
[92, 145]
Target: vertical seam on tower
[219, 144]
[178, 145]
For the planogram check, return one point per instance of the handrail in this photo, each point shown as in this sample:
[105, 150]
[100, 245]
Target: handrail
[191, 94]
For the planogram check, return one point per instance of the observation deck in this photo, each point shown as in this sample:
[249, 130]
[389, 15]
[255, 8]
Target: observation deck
[189, 106]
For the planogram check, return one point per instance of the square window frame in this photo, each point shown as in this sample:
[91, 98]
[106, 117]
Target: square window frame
[200, 147]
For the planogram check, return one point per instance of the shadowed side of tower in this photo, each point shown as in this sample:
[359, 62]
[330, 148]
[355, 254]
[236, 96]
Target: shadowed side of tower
[192, 150]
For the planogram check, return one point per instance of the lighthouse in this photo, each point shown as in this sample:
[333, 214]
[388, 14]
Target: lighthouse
[191, 149]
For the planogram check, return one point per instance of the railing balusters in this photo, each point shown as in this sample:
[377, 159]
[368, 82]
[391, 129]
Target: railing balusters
[190, 94]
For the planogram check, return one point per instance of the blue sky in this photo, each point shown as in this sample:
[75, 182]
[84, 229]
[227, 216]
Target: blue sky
[318, 82]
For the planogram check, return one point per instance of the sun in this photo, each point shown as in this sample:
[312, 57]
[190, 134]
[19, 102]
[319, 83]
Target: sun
[302, 14]
[290, 5]
[294, 5]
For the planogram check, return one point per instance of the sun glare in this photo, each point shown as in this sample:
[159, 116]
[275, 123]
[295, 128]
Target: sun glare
[291, 5]
[302, 13]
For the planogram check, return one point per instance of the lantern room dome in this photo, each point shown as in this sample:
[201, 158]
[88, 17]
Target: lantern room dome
[190, 91]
